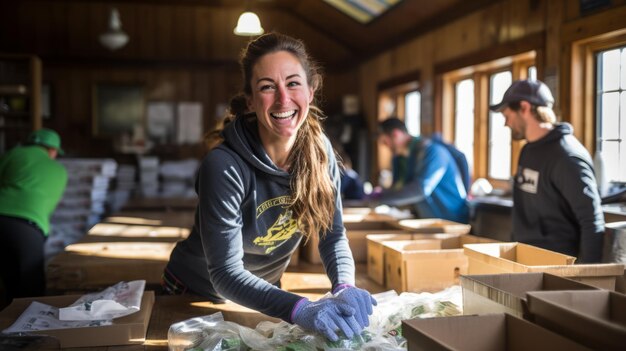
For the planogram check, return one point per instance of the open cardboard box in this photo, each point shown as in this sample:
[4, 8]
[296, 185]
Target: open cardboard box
[595, 318]
[126, 330]
[434, 225]
[375, 249]
[429, 264]
[498, 293]
[516, 257]
[490, 332]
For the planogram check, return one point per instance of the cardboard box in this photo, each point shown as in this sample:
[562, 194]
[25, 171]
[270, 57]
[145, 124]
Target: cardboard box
[375, 250]
[415, 266]
[356, 233]
[499, 293]
[434, 225]
[126, 330]
[620, 283]
[491, 332]
[521, 258]
[375, 254]
[93, 266]
[596, 319]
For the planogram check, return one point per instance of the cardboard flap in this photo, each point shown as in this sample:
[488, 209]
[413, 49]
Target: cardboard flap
[585, 316]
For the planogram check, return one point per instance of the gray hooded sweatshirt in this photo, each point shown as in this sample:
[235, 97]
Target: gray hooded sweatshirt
[244, 234]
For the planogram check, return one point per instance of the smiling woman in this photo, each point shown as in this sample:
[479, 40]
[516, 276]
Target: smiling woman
[270, 179]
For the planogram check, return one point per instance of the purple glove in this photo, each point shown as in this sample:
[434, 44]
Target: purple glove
[359, 299]
[326, 316]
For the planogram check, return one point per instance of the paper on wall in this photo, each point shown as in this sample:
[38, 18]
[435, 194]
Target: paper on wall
[115, 301]
[189, 123]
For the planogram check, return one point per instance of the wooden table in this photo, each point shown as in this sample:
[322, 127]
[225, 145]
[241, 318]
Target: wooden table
[306, 280]
[183, 219]
[161, 204]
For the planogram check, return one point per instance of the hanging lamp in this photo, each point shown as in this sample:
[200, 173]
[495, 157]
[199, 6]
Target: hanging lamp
[248, 24]
[114, 38]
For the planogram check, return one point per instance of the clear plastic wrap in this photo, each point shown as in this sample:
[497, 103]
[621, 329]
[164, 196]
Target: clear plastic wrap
[212, 333]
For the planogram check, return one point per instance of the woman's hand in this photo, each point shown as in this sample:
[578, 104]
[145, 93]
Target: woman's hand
[327, 317]
[359, 299]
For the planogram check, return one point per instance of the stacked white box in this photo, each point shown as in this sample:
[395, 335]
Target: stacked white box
[124, 187]
[149, 176]
[178, 178]
[83, 202]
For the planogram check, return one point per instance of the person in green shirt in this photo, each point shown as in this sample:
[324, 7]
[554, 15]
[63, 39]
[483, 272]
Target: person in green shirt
[31, 185]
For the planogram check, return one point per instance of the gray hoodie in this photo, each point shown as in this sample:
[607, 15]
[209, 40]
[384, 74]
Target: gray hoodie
[244, 234]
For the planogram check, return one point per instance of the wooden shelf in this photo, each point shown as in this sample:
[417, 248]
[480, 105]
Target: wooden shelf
[20, 92]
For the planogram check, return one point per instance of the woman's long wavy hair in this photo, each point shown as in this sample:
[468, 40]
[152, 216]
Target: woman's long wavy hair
[313, 192]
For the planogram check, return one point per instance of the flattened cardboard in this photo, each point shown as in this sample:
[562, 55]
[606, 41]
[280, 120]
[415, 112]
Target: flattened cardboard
[434, 225]
[520, 258]
[127, 330]
[596, 319]
[490, 332]
[500, 293]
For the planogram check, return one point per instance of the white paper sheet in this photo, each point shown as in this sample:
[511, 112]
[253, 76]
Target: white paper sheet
[189, 123]
[115, 301]
[39, 316]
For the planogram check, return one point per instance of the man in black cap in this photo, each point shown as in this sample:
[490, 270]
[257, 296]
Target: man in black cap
[556, 204]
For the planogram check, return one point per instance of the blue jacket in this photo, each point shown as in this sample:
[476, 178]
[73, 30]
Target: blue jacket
[244, 234]
[428, 179]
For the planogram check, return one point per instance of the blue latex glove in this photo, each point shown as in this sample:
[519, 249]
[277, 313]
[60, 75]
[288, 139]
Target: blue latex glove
[359, 299]
[326, 316]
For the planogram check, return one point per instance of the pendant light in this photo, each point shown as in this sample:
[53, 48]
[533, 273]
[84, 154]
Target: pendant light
[248, 24]
[114, 38]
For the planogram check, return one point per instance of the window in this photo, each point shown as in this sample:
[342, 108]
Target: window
[499, 158]
[412, 116]
[611, 112]
[532, 73]
[464, 118]
[398, 97]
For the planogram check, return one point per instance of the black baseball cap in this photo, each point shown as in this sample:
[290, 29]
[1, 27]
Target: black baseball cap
[531, 90]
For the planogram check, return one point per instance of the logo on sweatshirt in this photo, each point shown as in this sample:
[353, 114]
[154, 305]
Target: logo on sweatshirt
[281, 230]
[528, 180]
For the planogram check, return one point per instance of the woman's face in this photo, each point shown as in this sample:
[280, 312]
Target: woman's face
[280, 97]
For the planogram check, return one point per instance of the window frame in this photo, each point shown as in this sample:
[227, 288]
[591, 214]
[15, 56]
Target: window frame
[583, 104]
[394, 90]
[518, 65]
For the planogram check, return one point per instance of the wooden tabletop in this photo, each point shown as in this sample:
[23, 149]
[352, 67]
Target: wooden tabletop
[305, 279]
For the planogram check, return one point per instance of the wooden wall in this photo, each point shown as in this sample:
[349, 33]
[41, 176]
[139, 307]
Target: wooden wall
[511, 23]
[179, 52]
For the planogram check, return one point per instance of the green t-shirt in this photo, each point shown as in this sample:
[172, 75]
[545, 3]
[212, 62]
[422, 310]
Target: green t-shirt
[31, 185]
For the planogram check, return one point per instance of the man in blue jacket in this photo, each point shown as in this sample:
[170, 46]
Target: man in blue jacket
[425, 175]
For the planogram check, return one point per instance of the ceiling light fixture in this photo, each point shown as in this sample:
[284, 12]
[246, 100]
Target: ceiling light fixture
[114, 38]
[248, 24]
